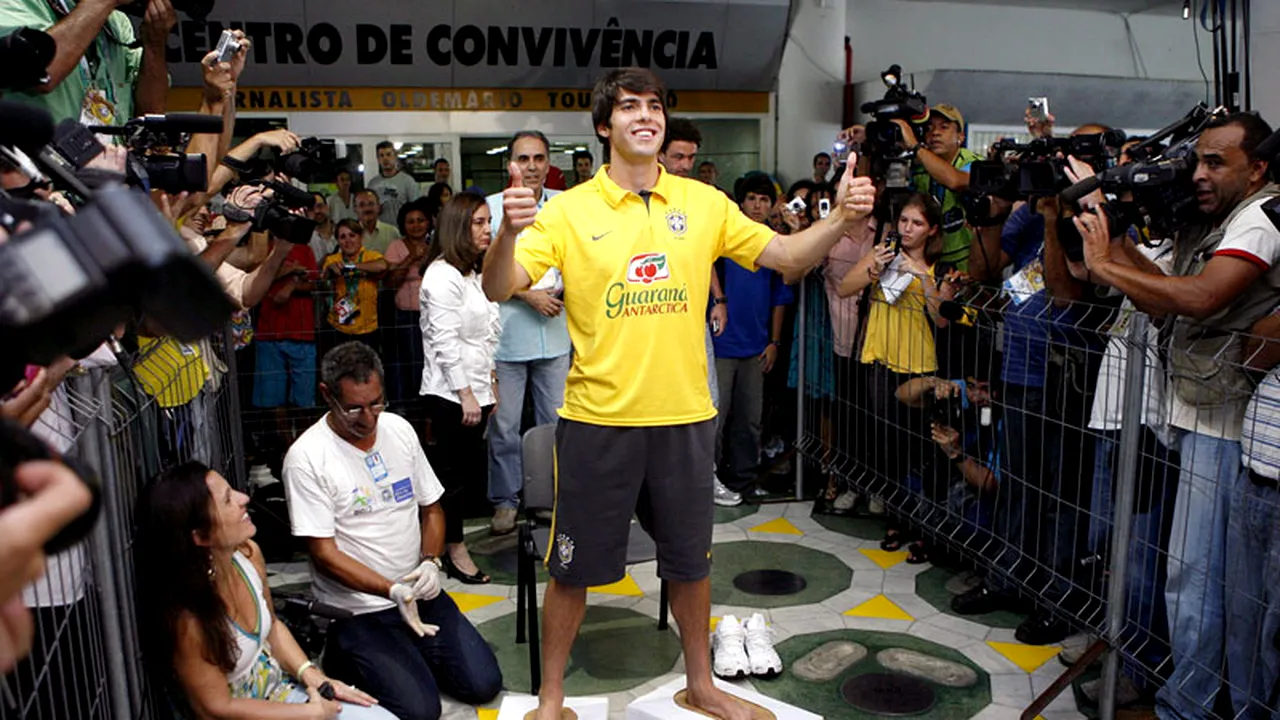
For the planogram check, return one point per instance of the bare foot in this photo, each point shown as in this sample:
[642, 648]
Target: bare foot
[714, 701]
[550, 705]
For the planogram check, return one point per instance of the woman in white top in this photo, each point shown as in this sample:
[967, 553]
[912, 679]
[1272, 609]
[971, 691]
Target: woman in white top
[209, 628]
[460, 330]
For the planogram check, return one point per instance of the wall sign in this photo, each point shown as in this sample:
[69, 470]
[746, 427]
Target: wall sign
[351, 99]
[693, 44]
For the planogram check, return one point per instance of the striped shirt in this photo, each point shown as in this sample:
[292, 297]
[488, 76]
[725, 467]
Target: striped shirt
[1260, 436]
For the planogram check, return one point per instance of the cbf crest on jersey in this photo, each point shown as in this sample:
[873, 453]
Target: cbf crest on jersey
[676, 222]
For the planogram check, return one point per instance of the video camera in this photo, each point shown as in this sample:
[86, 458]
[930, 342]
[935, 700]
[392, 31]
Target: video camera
[314, 157]
[274, 214]
[151, 139]
[883, 146]
[1038, 167]
[25, 55]
[1158, 184]
[66, 282]
[946, 412]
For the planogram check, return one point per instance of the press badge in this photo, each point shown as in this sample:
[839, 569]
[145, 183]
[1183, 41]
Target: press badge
[403, 490]
[376, 466]
[1026, 282]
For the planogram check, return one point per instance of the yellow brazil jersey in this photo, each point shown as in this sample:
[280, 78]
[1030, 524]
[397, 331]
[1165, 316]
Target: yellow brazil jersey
[636, 278]
[355, 304]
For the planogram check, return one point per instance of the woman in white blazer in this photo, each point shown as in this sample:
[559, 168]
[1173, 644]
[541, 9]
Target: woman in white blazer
[460, 330]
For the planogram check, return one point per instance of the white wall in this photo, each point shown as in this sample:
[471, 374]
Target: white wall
[922, 36]
[809, 88]
[1265, 17]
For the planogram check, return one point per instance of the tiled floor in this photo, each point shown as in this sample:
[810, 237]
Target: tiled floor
[874, 591]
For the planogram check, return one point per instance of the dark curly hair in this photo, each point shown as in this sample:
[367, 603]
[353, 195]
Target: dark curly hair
[174, 575]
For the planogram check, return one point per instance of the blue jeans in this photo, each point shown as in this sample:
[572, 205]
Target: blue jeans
[547, 377]
[382, 656]
[1197, 564]
[286, 369]
[1157, 486]
[1023, 426]
[1253, 601]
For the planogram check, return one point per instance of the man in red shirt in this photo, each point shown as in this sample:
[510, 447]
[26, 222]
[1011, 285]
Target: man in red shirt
[286, 337]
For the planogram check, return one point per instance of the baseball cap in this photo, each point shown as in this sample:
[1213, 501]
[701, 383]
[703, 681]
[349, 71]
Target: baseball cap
[950, 112]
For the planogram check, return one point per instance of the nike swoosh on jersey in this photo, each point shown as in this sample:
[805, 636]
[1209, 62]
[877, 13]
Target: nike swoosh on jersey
[597, 237]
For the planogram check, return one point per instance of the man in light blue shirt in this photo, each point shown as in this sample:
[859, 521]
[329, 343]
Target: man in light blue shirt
[533, 350]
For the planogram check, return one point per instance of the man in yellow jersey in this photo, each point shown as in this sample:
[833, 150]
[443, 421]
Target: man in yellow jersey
[637, 430]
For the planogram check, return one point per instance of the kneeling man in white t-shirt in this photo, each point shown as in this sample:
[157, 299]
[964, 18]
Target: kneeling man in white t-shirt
[362, 494]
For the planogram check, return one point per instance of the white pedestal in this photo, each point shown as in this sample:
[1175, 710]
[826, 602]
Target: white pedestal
[661, 705]
[515, 707]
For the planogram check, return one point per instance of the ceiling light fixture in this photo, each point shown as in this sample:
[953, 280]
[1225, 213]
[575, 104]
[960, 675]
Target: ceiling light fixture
[1186, 9]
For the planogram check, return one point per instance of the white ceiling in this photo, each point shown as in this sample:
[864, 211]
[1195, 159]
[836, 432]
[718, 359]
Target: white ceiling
[1162, 7]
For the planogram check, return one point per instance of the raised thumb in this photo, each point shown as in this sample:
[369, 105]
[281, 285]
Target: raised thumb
[851, 166]
[517, 178]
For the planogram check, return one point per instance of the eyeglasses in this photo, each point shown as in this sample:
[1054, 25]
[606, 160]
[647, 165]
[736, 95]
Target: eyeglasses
[353, 413]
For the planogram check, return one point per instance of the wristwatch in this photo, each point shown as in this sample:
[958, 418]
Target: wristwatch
[436, 560]
[719, 301]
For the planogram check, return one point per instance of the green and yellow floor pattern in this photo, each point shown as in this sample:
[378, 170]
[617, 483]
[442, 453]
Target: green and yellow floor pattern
[854, 593]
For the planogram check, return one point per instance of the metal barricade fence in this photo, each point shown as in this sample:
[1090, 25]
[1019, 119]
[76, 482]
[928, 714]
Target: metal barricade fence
[278, 376]
[174, 402]
[1099, 472]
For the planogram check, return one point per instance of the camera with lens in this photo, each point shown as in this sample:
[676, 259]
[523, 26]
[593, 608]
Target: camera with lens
[1038, 168]
[25, 55]
[276, 214]
[943, 411]
[883, 145]
[66, 282]
[153, 162]
[314, 157]
[1156, 191]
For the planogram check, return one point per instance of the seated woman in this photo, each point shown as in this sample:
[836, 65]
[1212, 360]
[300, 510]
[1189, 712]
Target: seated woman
[206, 614]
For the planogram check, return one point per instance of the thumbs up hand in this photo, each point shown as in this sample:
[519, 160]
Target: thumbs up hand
[855, 196]
[519, 205]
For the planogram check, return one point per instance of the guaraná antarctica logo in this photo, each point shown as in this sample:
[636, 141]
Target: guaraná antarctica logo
[644, 270]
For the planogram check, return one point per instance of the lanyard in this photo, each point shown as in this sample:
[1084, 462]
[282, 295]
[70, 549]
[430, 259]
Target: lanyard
[351, 280]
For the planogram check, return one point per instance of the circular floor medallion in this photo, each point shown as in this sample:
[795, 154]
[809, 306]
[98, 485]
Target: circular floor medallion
[886, 694]
[770, 582]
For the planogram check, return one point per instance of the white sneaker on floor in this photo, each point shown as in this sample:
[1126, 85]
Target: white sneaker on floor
[728, 650]
[764, 660]
[845, 501]
[725, 497]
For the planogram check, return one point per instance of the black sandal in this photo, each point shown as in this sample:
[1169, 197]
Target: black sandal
[893, 540]
[450, 569]
[918, 553]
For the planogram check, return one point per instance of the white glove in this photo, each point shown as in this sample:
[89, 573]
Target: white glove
[407, 602]
[425, 580]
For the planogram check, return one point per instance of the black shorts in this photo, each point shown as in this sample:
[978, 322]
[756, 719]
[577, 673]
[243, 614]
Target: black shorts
[605, 474]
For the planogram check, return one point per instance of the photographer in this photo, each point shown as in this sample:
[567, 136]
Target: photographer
[941, 170]
[967, 440]
[102, 74]
[1224, 280]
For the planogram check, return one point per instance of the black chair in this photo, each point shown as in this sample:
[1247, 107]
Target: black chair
[538, 456]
